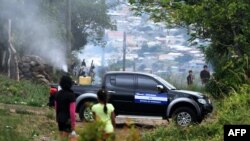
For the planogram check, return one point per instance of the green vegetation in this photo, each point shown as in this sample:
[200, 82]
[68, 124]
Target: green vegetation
[23, 92]
[89, 19]
[6, 127]
[92, 131]
[24, 123]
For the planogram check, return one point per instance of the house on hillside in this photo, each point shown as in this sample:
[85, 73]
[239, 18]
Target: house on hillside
[169, 56]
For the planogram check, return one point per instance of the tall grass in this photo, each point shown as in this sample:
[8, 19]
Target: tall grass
[180, 82]
[23, 92]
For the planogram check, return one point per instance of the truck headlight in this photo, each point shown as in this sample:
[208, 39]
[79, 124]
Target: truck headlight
[202, 101]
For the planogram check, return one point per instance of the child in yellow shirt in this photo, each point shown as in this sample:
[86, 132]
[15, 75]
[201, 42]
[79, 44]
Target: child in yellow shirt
[104, 112]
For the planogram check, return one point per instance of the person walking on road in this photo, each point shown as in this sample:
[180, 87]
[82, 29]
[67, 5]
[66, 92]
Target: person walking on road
[104, 112]
[204, 75]
[65, 108]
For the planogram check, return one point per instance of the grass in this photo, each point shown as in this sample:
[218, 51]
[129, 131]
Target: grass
[21, 122]
[23, 92]
[92, 132]
[21, 125]
[8, 126]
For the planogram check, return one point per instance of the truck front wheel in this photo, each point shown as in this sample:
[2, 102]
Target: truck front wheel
[184, 116]
[85, 113]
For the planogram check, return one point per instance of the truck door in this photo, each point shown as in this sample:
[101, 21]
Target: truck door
[147, 98]
[121, 89]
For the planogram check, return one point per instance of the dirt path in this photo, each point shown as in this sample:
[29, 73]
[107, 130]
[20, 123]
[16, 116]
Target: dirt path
[139, 121]
[29, 109]
[141, 124]
[123, 123]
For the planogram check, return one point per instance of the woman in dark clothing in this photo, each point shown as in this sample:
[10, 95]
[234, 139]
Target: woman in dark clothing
[65, 107]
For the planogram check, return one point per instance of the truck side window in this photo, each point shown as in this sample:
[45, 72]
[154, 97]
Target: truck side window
[146, 83]
[125, 81]
[112, 80]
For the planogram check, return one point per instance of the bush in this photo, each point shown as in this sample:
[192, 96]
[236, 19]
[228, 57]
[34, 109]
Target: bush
[92, 132]
[218, 89]
[230, 73]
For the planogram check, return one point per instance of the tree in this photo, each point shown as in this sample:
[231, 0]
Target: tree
[225, 23]
[89, 19]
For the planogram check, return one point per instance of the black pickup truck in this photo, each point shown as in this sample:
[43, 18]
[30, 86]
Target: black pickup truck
[134, 93]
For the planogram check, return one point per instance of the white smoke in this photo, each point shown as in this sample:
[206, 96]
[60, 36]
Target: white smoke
[38, 31]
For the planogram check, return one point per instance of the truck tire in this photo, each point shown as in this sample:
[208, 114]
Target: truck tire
[184, 116]
[85, 113]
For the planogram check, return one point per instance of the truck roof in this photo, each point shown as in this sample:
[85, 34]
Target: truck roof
[130, 72]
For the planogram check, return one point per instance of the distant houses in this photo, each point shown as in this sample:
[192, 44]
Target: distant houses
[171, 43]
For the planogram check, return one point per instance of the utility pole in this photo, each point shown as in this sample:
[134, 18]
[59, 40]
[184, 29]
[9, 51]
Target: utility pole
[103, 61]
[103, 56]
[124, 51]
[68, 27]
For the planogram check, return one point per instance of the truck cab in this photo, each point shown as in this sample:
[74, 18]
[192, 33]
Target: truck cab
[134, 93]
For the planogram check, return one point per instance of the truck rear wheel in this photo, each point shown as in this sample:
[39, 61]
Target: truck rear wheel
[184, 116]
[85, 113]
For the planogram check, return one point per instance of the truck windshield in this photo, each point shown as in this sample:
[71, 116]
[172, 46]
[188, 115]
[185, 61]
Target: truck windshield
[164, 82]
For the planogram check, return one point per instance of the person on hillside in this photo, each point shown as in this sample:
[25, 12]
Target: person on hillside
[204, 75]
[65, 107]
[190, 77]
[104, 112]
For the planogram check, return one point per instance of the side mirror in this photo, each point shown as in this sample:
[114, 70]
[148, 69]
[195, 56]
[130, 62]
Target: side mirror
[160, 88]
